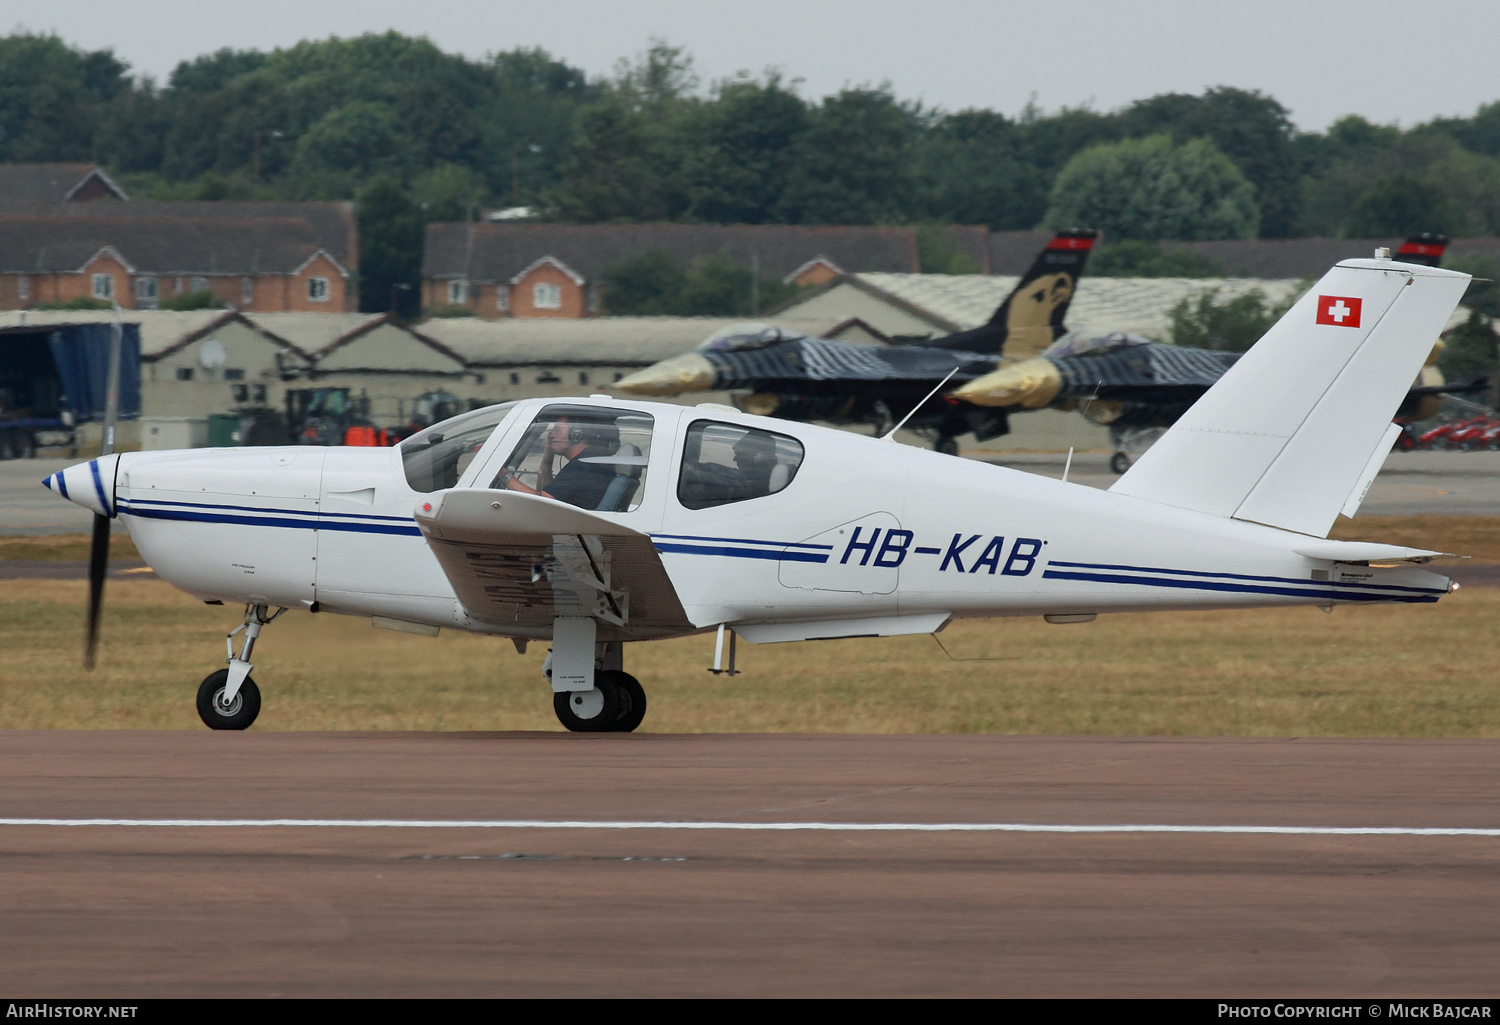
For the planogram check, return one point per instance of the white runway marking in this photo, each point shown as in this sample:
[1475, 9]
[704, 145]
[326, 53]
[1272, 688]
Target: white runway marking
[827, 827]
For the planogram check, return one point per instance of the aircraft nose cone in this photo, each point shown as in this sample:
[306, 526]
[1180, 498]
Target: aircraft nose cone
[689, 372]
[1030, 384]
[90, 484]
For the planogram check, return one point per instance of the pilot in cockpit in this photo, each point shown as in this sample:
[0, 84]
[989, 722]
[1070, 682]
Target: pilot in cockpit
[581, 481]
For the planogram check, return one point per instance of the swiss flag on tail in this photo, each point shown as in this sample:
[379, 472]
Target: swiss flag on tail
[1338, 310]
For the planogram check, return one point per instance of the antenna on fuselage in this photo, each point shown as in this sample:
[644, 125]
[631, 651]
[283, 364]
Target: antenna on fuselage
[892, 432]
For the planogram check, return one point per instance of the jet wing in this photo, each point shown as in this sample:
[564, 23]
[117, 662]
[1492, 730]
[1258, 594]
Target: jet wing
[522, 560]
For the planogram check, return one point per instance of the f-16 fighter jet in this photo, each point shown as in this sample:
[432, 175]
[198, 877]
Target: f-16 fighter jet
[1021, 360]
[1137, 386]
[792, 376]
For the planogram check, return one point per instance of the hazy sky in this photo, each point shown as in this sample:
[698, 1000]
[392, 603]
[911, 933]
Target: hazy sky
[1389, 60]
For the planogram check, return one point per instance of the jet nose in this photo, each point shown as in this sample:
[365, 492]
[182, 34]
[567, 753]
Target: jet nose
[90, 484]
[689, 372]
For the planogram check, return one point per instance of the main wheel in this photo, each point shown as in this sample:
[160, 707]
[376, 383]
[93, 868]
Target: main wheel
[632, 700]
[589, 711]
[237, 714]
[1119, 462]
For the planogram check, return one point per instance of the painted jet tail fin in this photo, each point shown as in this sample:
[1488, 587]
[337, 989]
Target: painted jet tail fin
[1292, 435]
[1031, 317]
[1426, 249]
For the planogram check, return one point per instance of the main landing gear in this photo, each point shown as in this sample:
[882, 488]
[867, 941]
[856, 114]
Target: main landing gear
[228, 699]
[591, 692]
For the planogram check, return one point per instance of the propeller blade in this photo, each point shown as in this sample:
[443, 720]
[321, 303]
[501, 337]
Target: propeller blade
[98, 567]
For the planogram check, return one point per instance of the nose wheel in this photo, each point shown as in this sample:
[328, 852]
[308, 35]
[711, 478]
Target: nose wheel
[221, 712]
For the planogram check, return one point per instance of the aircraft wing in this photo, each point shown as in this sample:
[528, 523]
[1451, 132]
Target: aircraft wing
[522, 560]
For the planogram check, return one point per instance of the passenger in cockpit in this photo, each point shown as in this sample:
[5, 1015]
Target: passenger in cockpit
[580, 482]
[755, 458]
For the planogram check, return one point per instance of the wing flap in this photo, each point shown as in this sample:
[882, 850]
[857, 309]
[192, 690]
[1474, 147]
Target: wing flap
[522, 560]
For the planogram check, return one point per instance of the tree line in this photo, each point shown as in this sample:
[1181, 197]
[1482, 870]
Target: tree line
[650, 142]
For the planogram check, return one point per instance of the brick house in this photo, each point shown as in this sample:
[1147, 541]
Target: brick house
[557, 270]
[258, 257]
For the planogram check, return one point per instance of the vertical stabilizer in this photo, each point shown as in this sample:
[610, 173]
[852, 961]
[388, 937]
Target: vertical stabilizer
[1285, 437]
[1031, 317]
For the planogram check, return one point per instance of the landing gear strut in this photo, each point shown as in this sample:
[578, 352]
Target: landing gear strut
[228, 699]
[591, 692]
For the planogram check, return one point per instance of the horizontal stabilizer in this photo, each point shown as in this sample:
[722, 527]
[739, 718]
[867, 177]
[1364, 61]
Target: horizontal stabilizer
[1366, 551]
[1285, 437]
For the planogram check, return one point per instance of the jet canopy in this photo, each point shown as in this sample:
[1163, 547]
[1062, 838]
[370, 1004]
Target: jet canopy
[746, 336]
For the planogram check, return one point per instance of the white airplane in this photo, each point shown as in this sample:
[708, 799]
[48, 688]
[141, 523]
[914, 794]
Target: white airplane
[592, 522]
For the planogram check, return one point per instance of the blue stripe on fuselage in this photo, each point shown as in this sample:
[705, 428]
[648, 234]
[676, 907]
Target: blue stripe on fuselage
[285, 518]
[1237, 576]
[1212, 585]
[742, 553]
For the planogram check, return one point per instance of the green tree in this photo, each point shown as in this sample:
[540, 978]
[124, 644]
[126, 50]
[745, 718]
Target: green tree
[1137, 259]
[391, 231]
[969, 170]
[1251, 129]
[851, 166]
[738, 150]
[1470, 351]
[938, 253]
[1151, 189]
[648, 284]
[347, 146]
[53, 96]
[1233, 326]
[1400, 204]
[448, 192]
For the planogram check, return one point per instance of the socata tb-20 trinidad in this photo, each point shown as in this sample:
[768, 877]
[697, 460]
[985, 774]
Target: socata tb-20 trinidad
[592, 522]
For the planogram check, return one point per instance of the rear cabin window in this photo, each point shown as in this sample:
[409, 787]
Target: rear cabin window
[434, 459]
[723, 463]
[590, 456]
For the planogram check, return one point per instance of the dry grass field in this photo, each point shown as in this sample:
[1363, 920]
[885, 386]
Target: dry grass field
[1411, 670]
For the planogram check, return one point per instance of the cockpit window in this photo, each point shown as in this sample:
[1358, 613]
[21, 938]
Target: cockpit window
[723, 463]
[745, 337]
[593, 457]
[435, 458]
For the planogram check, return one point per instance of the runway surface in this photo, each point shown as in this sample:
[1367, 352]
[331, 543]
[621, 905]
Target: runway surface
[474, 908]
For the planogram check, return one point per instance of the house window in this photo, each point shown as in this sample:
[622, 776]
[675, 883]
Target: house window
[515, 378]
[258, 393]
[502, 297]
[23, 288]
[247, 292]
[548, 377]
[200, 285]
[145, 291]
[547, 297]
[239, 391]
[593, 299]
[583, 377]
[184, 373]
[177, 285]
[234, 374]
[317, 290]
[104, 286]
[458, 293]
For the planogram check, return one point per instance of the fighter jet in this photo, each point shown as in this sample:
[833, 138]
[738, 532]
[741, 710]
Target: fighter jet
[794, 377]
[1137, 387]
[1023, 359]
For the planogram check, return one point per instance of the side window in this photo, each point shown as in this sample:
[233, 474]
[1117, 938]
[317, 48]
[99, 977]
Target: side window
[722, 463]
[593, 457]
[434, 459]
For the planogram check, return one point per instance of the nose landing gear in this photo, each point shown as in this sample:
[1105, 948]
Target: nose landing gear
[228, 699]
[616, 703]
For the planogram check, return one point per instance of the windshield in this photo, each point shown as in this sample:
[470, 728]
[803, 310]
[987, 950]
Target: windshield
[593, 457]
[435, 458]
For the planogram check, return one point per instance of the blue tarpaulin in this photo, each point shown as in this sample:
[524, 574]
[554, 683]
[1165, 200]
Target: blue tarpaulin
[81, 352]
